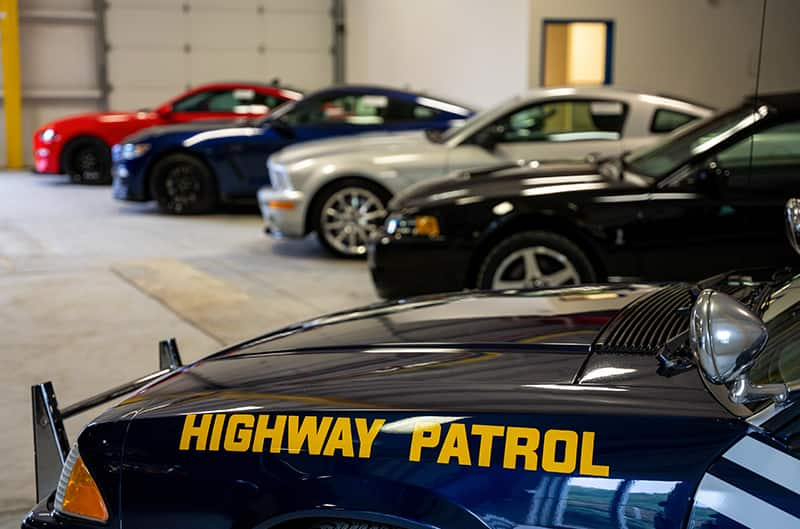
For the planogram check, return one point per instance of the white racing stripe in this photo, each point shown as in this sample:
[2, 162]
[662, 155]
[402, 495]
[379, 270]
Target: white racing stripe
[742, 507]
[767, 462]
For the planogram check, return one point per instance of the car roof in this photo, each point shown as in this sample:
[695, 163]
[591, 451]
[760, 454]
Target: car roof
[271, 86]
[393, 92]
[610, 92]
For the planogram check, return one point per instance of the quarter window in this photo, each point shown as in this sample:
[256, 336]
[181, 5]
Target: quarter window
[366, 109]
[563, 121]
[668, 120]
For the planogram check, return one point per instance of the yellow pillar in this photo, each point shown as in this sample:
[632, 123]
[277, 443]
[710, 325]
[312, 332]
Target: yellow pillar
[12, 86]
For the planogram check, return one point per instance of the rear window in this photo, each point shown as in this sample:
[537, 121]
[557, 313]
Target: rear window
[668, 120]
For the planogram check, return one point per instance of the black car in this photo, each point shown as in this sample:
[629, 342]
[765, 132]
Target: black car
[708, 198]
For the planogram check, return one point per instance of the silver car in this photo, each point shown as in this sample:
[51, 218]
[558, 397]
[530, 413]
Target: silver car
[340, 187]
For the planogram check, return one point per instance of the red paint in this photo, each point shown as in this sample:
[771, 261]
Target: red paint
[112, 127]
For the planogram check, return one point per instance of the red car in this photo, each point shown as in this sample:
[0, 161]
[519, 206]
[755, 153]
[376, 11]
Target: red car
[81, 145]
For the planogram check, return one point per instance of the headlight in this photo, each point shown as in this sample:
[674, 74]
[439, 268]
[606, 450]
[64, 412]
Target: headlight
[278, 177]
[47, 135]
[419, 225]
[77, 493]
[134, 150]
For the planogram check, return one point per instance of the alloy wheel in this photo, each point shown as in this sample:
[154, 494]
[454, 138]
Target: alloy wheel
[534, 267]
[349, 217]
[182, 186]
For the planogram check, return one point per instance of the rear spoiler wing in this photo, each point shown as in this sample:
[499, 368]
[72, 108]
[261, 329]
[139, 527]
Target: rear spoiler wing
[50, 443]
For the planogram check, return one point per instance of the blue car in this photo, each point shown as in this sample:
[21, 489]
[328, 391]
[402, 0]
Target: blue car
[192, 168]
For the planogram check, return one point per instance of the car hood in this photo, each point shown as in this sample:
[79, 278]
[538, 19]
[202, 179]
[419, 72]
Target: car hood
[187, 129]
[509, 180]
[482, 352]
[371, 144]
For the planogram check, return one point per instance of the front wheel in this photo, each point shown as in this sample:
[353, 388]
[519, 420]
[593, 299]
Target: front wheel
[535, 259]
[183, 185]
[348, 214]
[88, 161]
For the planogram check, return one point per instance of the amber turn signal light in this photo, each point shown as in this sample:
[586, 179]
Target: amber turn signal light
[82, 498]
[280, 204]
[426, 225]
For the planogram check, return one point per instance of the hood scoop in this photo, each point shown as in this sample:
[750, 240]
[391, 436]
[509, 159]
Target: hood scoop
[646, 324]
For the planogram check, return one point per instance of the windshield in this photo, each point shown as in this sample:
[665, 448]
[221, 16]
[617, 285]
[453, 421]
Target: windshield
[779, 363]
[686, 143]
[478, 121]
[280, 111]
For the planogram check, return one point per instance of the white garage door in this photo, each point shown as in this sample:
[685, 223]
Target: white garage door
[158, 48]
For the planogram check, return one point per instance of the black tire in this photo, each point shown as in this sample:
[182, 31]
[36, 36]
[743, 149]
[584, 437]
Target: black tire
[183, 185]
[87, 160]
[346, 524]
[550, 248]
[359, 225]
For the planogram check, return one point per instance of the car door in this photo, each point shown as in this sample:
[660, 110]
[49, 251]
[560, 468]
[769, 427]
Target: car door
[565, 129]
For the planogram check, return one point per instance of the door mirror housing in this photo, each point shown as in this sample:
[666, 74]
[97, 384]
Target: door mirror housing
[793, 223]
[282, 127]
[726, 339]
[489, 137]
[164, 111]
[711, 179]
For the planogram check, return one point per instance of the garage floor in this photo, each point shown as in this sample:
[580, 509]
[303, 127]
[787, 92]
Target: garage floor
[88, 286]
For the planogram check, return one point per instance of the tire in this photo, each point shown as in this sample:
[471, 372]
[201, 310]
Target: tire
[534, 259]
[360, 208]
[183, 185]
[88, 161]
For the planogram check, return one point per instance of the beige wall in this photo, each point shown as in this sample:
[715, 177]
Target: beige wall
[705, 50]
[474, 51]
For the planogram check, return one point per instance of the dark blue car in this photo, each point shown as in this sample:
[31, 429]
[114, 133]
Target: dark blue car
[192, 168]
[588, 407]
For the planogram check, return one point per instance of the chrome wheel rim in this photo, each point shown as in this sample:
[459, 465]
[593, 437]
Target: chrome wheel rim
[535, 267]
[182, 188]
[349, 217]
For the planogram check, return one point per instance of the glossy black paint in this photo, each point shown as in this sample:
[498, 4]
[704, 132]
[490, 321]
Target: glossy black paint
[628, 225]
[523, 360]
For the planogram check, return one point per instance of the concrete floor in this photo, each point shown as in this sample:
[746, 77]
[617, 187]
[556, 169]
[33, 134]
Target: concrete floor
[88, 286]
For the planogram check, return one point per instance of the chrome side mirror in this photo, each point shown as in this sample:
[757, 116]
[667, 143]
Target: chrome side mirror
[793, 222]
[726, 338]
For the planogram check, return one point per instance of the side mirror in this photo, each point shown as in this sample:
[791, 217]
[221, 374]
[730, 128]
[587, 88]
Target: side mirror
[489, 137]
[711, 178]
[793, 222]
[281, 127]
[726, 338]
[164, 111]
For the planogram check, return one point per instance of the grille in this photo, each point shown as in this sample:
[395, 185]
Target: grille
[646, 324]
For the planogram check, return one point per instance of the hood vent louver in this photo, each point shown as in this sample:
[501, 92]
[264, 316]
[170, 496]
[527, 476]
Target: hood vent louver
[645, 325]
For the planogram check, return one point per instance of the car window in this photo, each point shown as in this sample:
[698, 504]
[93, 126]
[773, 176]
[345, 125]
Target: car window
[665, 120]
[563, 121]
[400, 110]
[237, 100]
[767, 160]
[363, 109]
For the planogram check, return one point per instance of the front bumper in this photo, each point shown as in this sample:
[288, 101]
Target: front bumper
[411, 266]
[46, 157]
[284, 212]
[128, 182]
